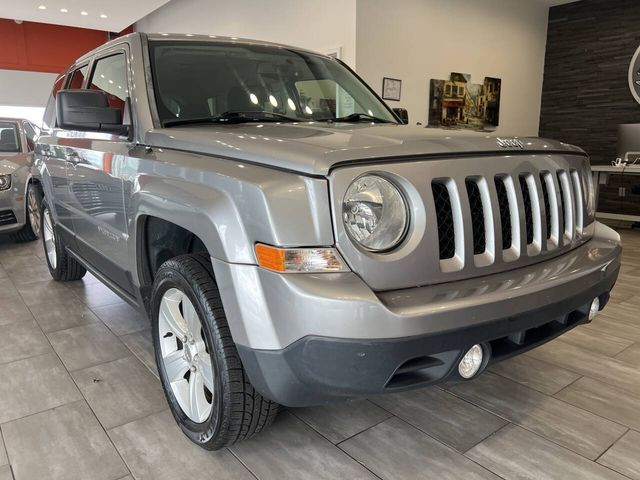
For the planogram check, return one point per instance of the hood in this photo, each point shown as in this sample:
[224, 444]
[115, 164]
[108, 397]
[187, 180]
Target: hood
[315, 148]
[9, 162]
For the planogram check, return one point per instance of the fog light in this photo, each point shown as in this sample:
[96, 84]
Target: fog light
[595, 308]
[471, 362]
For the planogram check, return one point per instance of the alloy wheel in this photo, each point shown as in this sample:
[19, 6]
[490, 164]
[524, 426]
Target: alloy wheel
[49, 239]
[185, 356]
[33, 210]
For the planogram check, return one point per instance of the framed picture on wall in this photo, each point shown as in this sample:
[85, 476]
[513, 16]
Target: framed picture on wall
[391, 88]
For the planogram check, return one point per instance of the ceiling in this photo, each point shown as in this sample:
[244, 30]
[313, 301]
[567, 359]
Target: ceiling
[111, 15]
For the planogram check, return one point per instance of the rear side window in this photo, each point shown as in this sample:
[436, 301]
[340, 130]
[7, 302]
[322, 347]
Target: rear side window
[9, 139]
[110, 76]
[49, 119]
[77, 77]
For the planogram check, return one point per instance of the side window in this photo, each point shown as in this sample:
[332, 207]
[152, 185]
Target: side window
[77, 77]
[110, 76]
[30, 135]
[49, 119]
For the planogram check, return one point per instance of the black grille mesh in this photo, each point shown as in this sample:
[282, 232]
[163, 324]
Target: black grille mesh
[477, 217]
[444, 214]
[528, 214]
[505, 212]
[547, 204]
[7, 217]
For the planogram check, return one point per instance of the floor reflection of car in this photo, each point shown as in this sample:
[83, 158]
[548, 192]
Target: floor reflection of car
[19, 191]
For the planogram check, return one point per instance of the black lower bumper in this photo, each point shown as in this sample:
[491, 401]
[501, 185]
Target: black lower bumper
[319, 370]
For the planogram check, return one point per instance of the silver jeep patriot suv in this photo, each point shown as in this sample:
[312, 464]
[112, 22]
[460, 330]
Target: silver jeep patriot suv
[292, 242]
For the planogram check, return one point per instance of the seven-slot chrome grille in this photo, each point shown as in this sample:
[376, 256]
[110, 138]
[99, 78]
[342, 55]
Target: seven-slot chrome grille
[474, 216]
[533, 211]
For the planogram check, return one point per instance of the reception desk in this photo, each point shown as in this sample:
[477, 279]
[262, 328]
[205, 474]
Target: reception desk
[617, 192]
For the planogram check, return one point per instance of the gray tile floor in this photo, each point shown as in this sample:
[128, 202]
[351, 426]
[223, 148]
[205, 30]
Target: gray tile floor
[80, 399]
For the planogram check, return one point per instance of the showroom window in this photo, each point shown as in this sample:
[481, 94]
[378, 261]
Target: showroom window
[109, 76]
[78, 77]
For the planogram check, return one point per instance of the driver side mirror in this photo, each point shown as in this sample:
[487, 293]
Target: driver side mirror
[88, 110]
[402, 114]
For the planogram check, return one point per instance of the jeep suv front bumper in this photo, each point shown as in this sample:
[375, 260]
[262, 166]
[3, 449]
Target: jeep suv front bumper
[310, 339]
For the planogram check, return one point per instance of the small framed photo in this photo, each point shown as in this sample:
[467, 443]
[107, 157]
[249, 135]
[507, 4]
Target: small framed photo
[391, 88]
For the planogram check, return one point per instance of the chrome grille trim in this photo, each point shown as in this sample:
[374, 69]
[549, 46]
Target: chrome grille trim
[579, 199]
[567, 207]
[523, 219]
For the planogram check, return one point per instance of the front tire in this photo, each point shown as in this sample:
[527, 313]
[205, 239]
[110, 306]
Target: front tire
[204, 381]
[62, 266]
[32, 225]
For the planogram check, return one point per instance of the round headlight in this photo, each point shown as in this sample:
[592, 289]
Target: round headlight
[5, 182]
[374, 213]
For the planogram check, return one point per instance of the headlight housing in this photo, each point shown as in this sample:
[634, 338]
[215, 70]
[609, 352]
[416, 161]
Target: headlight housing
[5, 182]
[375, 213]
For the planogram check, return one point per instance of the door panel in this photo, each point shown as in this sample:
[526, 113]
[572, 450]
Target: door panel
[96, 192]
[56, 169]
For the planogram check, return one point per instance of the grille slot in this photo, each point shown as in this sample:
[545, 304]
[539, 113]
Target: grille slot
[7, 217]
[528, 214]
[547, 203]
[477, 216]
[505, 212]
[444, 214]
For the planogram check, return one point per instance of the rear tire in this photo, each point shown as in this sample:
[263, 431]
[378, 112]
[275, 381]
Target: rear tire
[189, 323]
[62, 266]
[33, 212]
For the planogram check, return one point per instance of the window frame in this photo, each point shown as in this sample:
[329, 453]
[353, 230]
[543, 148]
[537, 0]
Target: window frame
[128, 111]
[72, 71]
[27, 137]
[117, 50]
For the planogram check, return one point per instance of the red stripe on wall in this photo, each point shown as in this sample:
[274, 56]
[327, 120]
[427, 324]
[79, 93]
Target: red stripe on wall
[42, 47]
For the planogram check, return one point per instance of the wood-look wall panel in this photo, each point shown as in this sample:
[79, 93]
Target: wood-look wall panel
[585, 95]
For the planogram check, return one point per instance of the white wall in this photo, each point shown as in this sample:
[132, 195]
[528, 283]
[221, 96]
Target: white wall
[318, 25]
[417, 40]
[25, 89]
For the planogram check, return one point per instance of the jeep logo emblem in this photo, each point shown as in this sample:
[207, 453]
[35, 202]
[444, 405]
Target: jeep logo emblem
[510, 143]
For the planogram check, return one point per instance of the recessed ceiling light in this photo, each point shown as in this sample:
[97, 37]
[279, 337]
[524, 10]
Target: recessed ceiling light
[102, 15]
[63, 10]
[84, 13]
[42, 7]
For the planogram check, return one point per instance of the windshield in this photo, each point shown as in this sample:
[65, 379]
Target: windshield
[9, 137]
[208, 80]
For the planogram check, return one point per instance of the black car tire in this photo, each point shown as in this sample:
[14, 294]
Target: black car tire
[65, 268]
[28, 233]
[238, 411]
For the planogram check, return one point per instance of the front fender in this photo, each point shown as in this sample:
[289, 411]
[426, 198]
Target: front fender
[229, 205]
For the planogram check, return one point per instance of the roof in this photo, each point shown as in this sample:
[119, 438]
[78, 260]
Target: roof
[186, 37]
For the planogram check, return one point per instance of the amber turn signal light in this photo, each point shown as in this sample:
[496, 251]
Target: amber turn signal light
[299, 260]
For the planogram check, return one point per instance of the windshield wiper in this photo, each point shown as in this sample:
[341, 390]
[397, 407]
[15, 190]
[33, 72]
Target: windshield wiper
[233, 117]
[356, 117]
